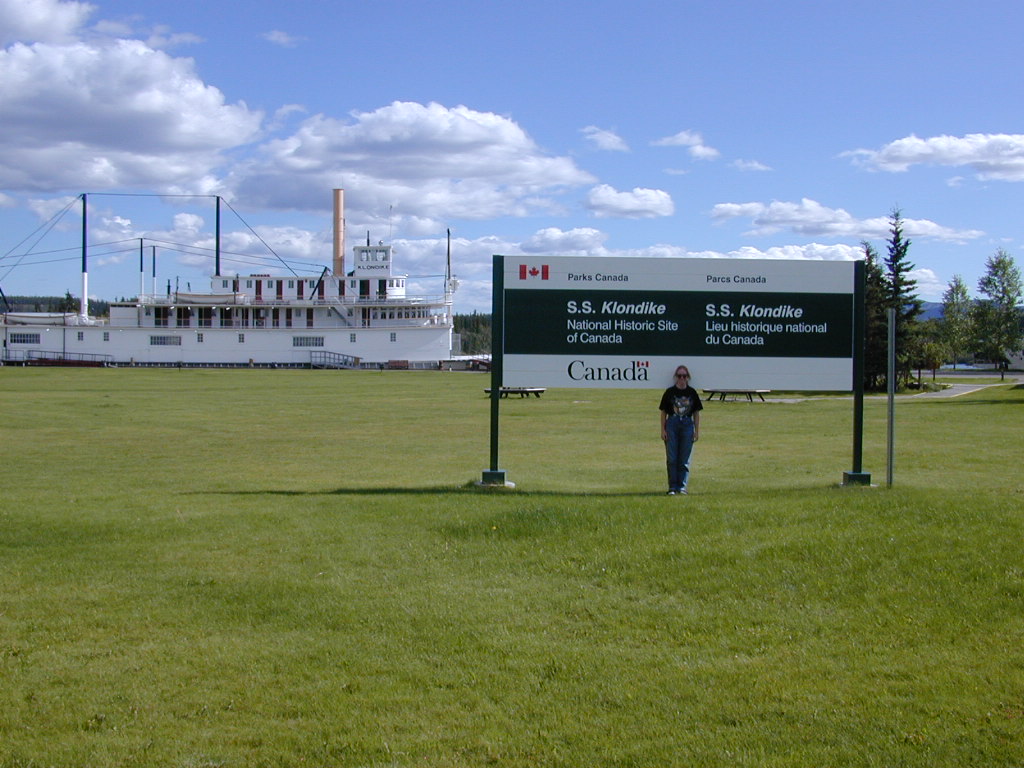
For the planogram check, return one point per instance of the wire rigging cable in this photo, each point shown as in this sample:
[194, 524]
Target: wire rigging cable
[12, 261]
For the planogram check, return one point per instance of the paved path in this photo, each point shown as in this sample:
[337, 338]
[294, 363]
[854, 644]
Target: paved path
[955, 390]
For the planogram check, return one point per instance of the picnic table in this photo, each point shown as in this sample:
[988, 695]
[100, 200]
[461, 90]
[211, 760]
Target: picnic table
[749, 393]
[521, 391]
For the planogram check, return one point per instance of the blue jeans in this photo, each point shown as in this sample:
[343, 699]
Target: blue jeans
[678, 447]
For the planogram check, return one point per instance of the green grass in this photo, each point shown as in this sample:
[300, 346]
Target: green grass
[278, 568]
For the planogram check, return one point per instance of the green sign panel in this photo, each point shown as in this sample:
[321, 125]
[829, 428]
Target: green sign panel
[678, 323]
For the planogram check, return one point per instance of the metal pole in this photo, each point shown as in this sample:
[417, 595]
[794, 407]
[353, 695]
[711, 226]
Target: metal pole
[217, 246]
[84, 310]
[891, 387]
[495, 476]
[857, 476]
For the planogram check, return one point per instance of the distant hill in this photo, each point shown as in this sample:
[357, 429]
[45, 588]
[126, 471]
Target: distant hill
[931, 310]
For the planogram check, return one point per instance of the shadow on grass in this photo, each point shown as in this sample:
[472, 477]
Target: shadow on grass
[439, 490]
[472, 489]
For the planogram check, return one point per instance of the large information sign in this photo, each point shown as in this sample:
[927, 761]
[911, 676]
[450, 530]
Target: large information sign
[628, 322]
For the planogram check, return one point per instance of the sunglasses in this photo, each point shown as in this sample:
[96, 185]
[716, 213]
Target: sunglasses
[682, 375]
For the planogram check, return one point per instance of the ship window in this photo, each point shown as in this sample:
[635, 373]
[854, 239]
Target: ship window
[199, 338]
[81, 335]
[223, 283]
[394, 337]
[352, 338]
[307, 341]
[248, 283]
[165, 341]
[106, 335]
[270, 283]
[291, 283]
[24, 338]
[241, 338]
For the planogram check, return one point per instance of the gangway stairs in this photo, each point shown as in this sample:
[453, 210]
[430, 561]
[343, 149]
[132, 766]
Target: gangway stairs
[332, 360]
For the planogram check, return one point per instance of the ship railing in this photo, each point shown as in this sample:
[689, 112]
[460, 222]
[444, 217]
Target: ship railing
[68, 358]
[362, 301]
[176, 300]
[257, 302]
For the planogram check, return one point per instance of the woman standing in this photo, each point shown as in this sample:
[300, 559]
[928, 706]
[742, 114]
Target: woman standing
[680, 428]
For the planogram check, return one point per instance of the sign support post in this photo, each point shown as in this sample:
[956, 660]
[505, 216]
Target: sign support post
[857, 476]
[748, 325]
[494, 476]
[890, 437]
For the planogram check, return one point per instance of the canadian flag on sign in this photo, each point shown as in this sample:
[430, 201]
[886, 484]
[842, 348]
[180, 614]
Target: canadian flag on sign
[526, 273]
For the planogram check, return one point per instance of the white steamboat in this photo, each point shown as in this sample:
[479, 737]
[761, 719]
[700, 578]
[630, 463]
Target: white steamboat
[356, 319]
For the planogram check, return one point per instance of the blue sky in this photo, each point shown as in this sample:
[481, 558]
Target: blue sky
[783, 129]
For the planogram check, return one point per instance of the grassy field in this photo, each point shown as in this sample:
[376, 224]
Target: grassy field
[283, 568]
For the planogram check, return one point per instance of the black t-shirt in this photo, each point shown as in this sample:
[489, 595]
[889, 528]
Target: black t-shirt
[681, 402]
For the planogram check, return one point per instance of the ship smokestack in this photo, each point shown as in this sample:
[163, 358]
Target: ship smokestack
[339, 232]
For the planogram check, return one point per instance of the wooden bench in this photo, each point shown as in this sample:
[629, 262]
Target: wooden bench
[521, 391]
[721, 393]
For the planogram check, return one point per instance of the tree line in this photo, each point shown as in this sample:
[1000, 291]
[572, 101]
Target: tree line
[984, 328]
[475, 332]
[65, 303]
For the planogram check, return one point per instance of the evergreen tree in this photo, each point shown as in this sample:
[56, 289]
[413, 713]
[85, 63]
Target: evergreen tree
[902, 296]
[996, 318]
[69, 303]
[875, 296]
[957, 319]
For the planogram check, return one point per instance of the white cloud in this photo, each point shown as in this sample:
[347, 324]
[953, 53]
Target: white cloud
[809, 217]
[694, 143]
[123, 114]
[929, 286]
[577, 241]
[161, 38]
[992, 156]
[48, 21]
[605, 201]
[605, 140]
[46, 209]
[749, 165]
[410, 162]
[283, 39]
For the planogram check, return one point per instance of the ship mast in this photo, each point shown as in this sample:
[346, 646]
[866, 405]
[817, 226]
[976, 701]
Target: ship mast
[84, 309]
